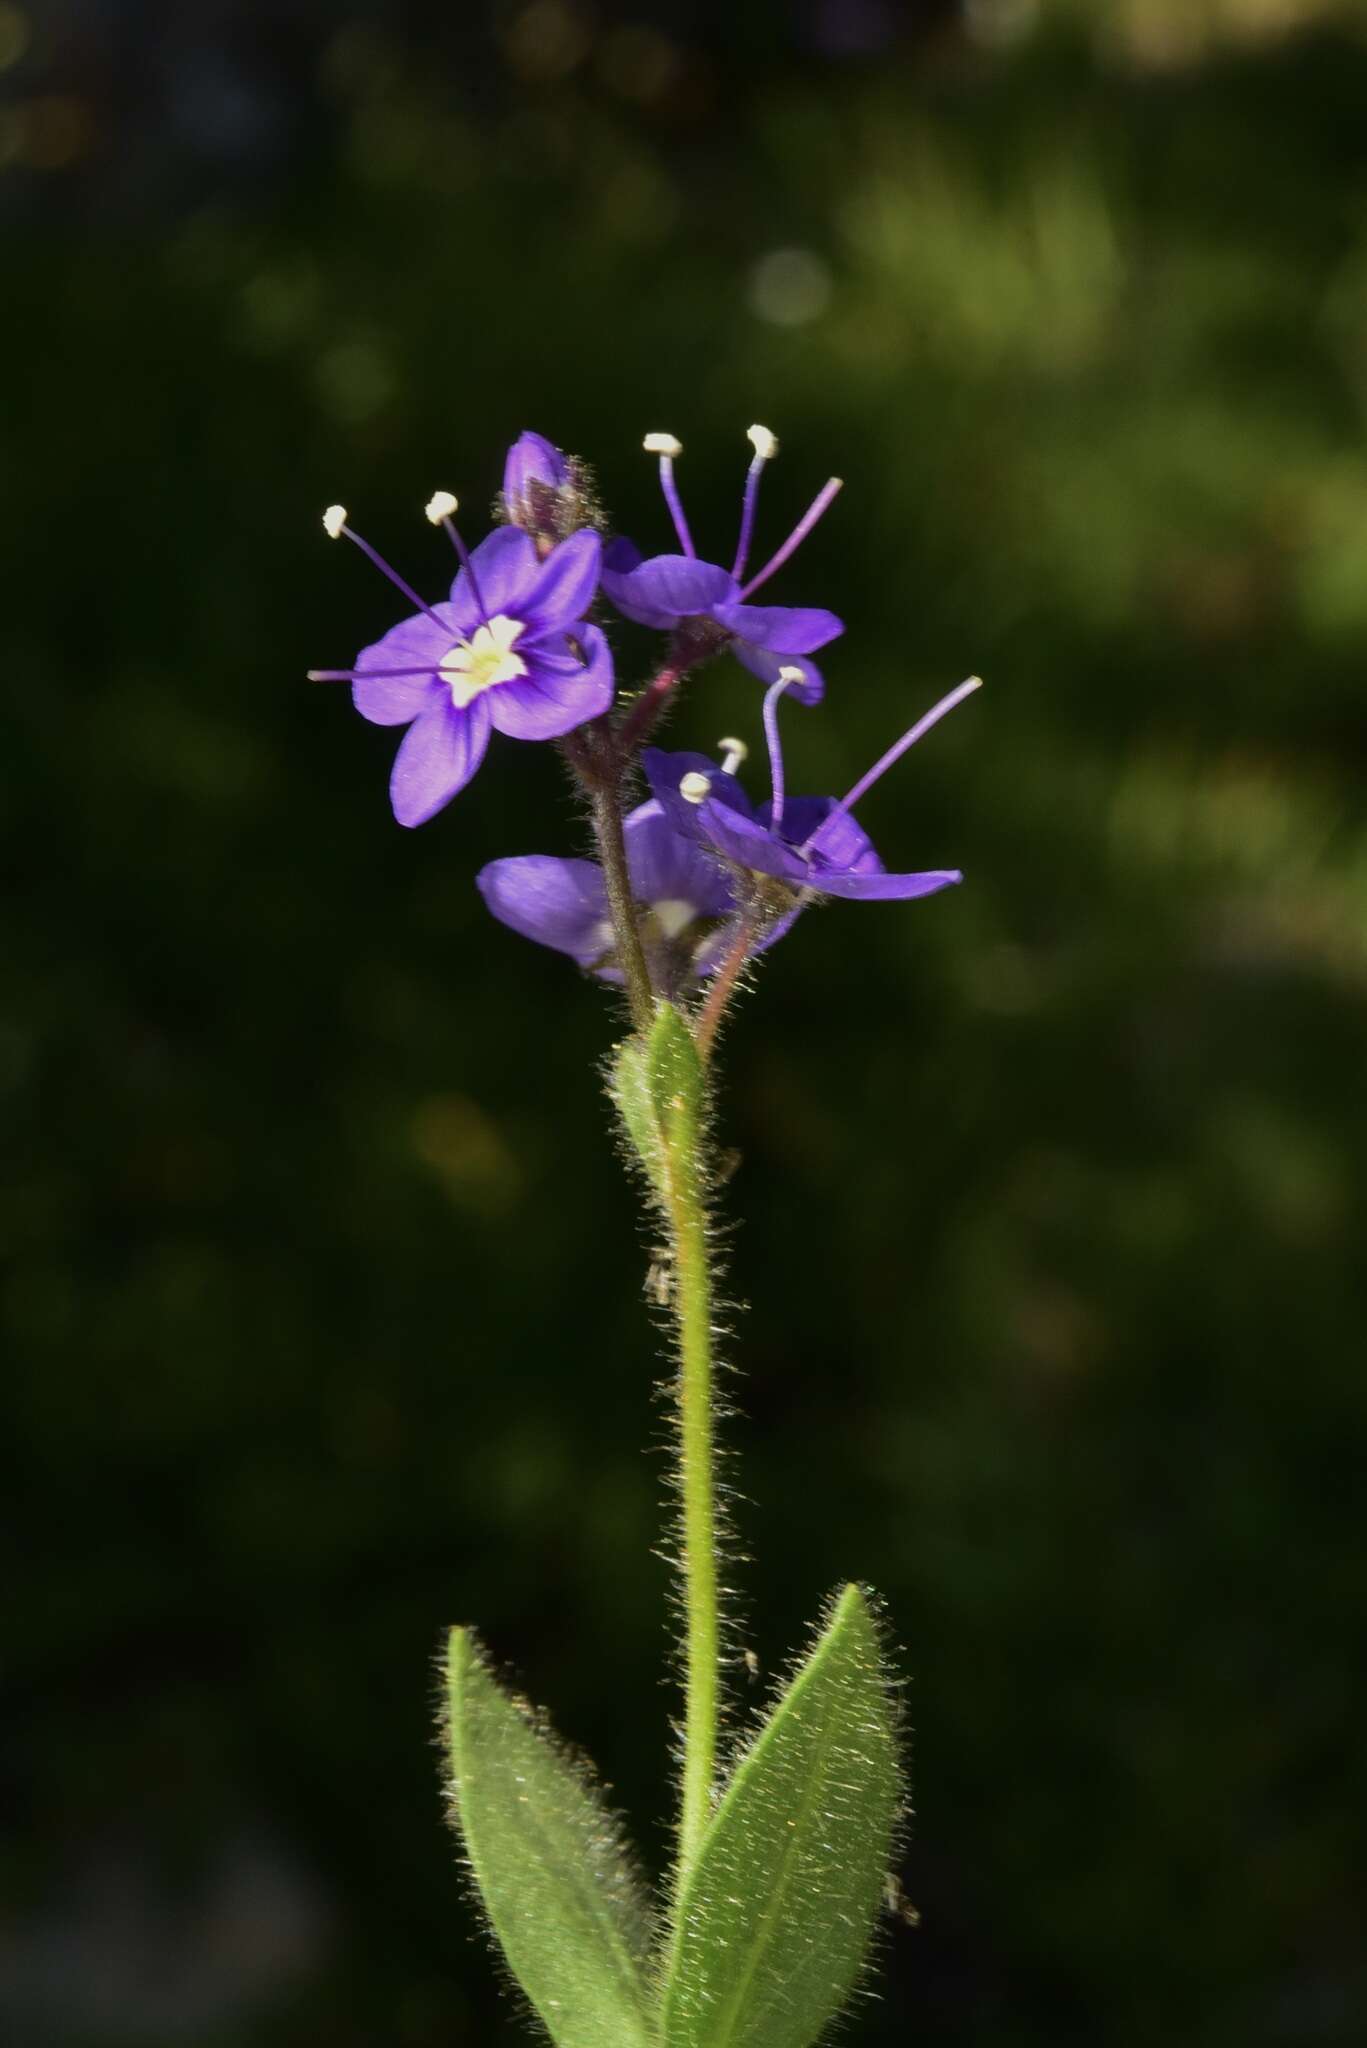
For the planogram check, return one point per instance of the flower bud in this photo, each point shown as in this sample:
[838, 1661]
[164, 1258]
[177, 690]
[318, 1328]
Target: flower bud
[544, 491]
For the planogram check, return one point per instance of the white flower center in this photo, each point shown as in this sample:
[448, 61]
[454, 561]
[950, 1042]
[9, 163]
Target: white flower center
[473, 666]
[673, 915]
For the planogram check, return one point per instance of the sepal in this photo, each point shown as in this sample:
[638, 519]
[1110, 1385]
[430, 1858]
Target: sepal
[659, 1085]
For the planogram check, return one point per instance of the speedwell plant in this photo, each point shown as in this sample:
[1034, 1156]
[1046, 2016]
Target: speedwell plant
[784, 1836]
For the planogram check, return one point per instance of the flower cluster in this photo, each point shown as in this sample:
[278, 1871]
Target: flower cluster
[699, 878]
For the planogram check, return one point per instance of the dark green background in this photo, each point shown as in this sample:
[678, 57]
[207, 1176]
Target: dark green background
[322, 1287]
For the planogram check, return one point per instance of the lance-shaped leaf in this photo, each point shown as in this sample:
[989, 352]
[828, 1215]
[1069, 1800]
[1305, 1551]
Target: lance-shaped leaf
[774, 1918]
[550, 1863]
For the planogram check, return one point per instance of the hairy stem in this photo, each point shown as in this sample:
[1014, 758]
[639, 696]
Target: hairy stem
[724, 984]
[641, 716]
[685, 1204]
[605, 799]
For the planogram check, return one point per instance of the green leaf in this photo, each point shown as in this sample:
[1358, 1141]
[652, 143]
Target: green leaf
[774, 1917]
[550, 1863]
[656, 1081]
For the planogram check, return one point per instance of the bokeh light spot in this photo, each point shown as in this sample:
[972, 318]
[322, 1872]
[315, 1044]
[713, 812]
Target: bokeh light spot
[355, 381]
[547, 40]
[453, 1136]
[639, 63]
[1000, 23]
[790, 287]
[54, 132]
[15, 35]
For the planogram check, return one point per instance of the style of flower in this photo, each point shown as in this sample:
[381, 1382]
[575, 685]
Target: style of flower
[808, 846]
[510, 650]
[708, 605]
[686, 903]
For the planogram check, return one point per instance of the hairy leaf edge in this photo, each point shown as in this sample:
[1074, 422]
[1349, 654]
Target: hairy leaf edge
[464, 1651]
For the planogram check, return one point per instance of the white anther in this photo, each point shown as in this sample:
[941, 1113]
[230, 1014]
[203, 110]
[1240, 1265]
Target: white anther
[440, 506]
[334, 519]
[763, 442]
[733, 753]
[791, 674]
[662, 444]
[695, 787]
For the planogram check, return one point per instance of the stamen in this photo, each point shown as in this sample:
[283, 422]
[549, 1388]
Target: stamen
[786, 675]
[360, 675]
[695, 787]
[439, 508]
[667, 447]
[733, 753]
[335, 523]
[765, 446]
[895, 753]
[799, 533]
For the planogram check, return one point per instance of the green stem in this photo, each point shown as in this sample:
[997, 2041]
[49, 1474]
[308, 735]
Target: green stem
[686, 1207]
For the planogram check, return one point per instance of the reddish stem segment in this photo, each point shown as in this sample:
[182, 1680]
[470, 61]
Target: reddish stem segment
[724, 984]
[641, 717]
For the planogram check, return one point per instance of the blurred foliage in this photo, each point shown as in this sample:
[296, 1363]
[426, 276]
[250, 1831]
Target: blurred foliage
[321, 1289]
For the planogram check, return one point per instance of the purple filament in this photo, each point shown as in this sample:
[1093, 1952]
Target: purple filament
[747, 516]
[466, 564]
[675, 504]
[771, 697]
[399, 584]
[799, 533]
[895, 752]
[362, 675]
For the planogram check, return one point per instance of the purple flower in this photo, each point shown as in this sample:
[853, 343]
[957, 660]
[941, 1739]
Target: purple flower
[710, 604]
[809, 846]
[509, 650]
[686, 903]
